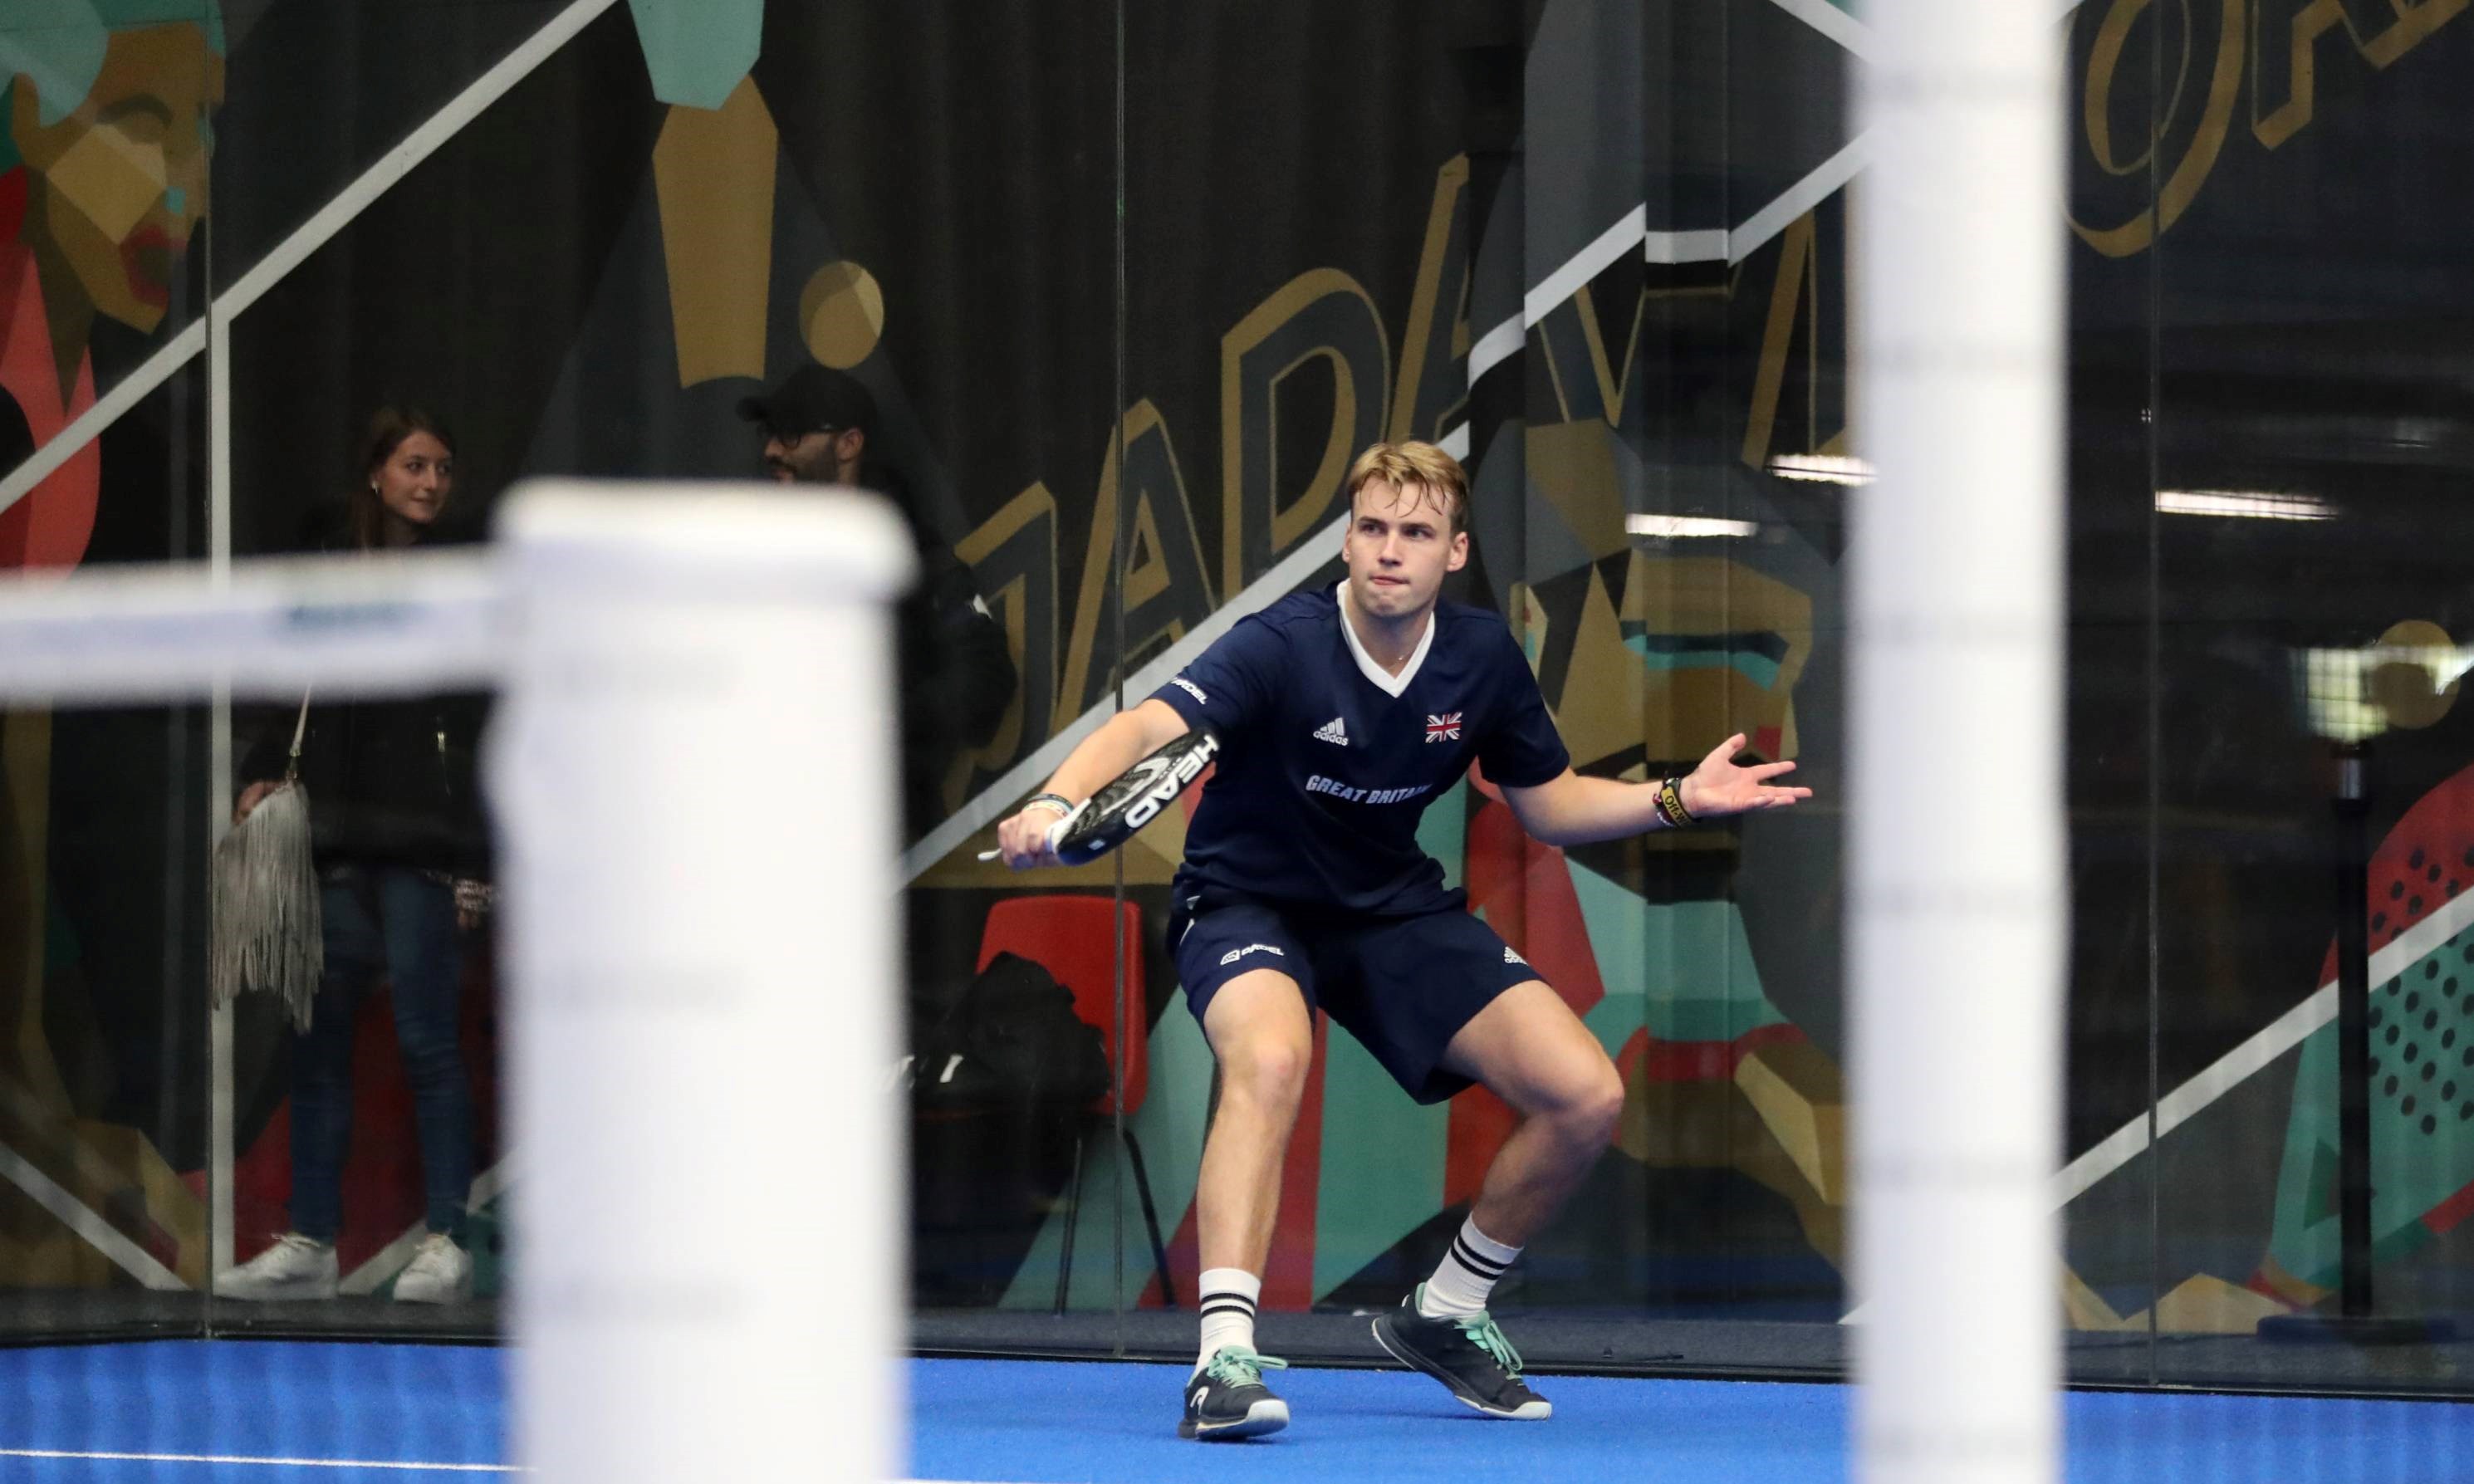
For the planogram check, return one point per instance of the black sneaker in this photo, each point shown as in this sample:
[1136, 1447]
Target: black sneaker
[1226, 1399]
[1468, 1354]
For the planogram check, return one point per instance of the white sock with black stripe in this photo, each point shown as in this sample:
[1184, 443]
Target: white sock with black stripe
[1466, 1277]
[1229, 1295]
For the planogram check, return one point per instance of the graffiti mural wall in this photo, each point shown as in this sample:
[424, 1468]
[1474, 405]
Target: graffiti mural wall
[1124, 288]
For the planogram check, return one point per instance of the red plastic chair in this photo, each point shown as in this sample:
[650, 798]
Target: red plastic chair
[1070, 937]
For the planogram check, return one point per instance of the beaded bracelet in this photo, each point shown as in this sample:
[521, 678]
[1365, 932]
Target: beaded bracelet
[1056, 801]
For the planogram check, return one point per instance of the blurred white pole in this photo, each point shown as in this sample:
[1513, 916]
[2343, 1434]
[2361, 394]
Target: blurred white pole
[695, 776]
[1956, 862]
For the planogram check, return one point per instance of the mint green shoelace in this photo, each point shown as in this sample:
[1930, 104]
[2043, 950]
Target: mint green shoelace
[1481, 1329]
[1237, 1366]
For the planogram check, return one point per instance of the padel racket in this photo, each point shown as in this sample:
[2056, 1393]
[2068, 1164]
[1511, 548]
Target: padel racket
[1132, 800]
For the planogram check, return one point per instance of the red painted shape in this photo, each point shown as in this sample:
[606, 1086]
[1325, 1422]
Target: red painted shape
[50, 525]
[2448, 1213]
[1479, 1124]
[12, 203]
[1192, 798]
[1556, 935]
[1767, 741]
[1288, 1275]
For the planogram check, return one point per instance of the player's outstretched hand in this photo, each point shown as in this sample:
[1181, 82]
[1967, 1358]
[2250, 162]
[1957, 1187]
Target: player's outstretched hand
[1023, 840]
[1718, 787]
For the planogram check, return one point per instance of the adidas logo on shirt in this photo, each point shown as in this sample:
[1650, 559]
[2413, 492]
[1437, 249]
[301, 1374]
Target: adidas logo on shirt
[1508, 957]
[1333, 732]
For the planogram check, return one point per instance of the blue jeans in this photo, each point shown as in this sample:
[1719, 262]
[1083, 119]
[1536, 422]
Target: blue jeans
[398, 922]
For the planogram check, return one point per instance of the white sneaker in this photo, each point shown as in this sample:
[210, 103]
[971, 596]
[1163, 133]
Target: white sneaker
[295, 1266]
[439, 1272]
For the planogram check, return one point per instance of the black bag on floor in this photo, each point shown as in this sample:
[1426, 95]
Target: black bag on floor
[1011, 1039]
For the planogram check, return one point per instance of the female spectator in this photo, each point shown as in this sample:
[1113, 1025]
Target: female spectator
[397, 839]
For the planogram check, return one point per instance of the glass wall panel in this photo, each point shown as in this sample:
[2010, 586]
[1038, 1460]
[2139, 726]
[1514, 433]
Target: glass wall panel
[104, 142]
[2313, 449]
[2111, 66]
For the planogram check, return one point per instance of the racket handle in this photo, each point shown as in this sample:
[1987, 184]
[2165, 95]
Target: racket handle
[1055, 832]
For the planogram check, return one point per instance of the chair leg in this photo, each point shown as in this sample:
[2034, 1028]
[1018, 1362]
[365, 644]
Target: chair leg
[1151, 1220]
[1073, 1212]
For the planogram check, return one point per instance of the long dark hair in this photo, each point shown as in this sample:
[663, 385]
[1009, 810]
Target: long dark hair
[389, 427]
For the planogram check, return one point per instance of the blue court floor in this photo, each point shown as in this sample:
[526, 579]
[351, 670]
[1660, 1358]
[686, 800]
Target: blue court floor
[178, 1412]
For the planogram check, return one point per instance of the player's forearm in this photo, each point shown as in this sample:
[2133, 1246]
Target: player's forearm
[1575, 810]
[1121, 742]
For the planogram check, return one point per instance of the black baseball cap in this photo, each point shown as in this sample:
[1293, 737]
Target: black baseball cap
[811, 399]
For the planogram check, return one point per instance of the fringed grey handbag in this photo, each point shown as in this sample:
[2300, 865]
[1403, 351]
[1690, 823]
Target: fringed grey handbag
[267, 928]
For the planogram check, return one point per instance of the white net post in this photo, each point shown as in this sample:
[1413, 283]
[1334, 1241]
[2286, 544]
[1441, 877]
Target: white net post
[1957, 855]
[694, 769]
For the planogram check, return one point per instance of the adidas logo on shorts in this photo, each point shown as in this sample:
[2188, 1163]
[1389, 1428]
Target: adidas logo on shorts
[1334, 732]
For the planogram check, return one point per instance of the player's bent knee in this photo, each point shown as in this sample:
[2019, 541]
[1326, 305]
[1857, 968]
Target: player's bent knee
[1266, 1069]
[1590, 1111]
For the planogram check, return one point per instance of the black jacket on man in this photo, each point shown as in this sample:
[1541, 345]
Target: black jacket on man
[956, 675]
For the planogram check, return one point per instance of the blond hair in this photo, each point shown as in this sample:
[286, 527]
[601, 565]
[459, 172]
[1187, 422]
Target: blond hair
[1419, 465]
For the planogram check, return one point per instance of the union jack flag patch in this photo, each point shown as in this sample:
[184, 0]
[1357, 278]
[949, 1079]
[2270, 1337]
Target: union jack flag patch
[1443, 728]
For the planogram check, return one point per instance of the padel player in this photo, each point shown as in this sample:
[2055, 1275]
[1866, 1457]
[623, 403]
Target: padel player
[1342, 714]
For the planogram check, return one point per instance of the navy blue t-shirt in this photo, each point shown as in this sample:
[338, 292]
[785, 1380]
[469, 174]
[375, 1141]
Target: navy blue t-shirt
[1323, 771]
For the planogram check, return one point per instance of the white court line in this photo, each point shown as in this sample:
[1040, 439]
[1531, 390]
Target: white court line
[2247, 1060]
[338, 213]
[1587, 264]
[134, 1260]
[1824, 180]
[995, 801]
[1709, 245]
[126, 393]
[1495, 347]
[296, 1463]
[1832, 22]
[2279, 1037]
[399, 161]
[247, 1461]
[1456, 443]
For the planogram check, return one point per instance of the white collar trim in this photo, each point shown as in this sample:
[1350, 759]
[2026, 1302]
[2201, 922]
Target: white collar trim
[1384, 680]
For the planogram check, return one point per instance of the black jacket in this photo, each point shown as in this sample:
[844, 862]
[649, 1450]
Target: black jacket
[955, 674]
[391, 782]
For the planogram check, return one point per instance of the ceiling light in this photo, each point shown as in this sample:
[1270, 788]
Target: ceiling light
[1822, 468]
[2244, 504]
[1673, 527]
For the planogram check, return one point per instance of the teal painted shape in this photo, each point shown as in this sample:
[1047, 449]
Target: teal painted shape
[1759, 669]
[129, 14]
[1443, 832]
[2413, 1168]
[1169, 1126]
[1382, 1170]
[698, 51]
[1682, 970]
[58, 43]
[61, 43]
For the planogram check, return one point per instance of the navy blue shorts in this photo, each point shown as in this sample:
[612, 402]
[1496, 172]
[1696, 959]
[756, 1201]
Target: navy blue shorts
[1403, 986]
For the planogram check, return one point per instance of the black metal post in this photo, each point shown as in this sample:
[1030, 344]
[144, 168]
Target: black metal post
[2354, 1323]
[2353, 1030]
